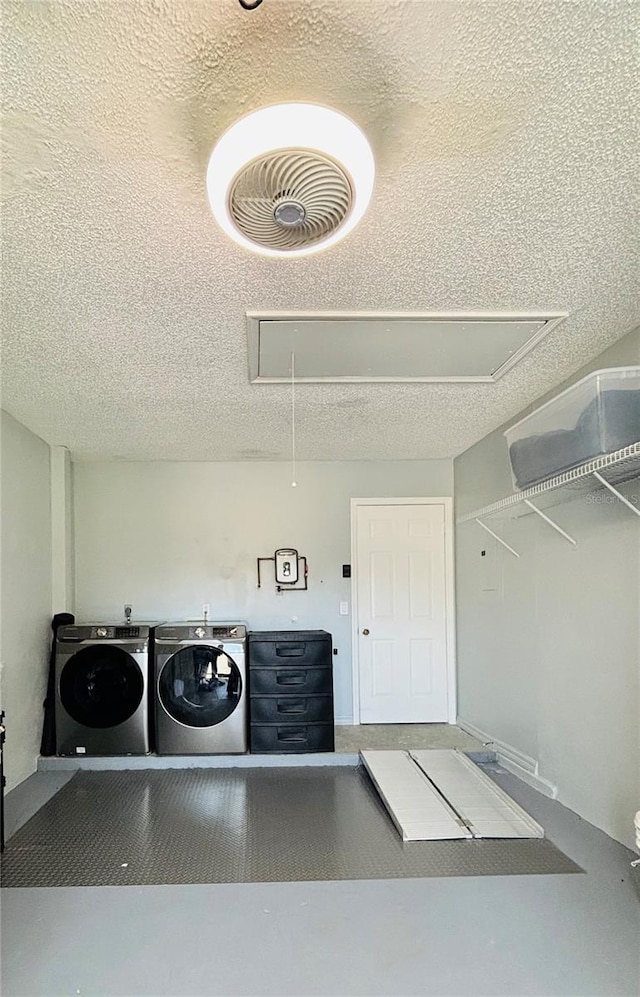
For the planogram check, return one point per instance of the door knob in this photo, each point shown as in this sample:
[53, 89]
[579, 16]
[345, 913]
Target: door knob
[365, 632]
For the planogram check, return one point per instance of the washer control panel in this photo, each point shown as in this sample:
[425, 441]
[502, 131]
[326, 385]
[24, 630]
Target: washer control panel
[75, 633]
[116, 633]
[202, 631]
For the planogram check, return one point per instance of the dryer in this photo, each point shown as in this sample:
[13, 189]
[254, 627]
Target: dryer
[200, 684]
[102, 681]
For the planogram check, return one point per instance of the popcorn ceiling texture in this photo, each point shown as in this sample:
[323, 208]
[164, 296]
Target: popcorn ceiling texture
[506, 142]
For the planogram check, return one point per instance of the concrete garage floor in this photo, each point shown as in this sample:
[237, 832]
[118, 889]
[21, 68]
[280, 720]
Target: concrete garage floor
[534, 935]
[394, 737]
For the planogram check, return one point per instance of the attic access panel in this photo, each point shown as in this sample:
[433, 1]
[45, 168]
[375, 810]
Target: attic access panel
[361, 346]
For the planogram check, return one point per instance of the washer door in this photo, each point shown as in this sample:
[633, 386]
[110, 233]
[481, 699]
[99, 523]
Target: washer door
[200, 686]
[101, 686]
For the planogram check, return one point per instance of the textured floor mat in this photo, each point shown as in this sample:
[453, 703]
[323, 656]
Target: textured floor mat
[240, 826]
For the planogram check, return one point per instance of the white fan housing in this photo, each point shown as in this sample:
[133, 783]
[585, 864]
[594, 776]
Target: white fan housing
[290, 179]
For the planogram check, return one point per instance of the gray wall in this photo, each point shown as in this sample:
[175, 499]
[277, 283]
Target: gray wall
[549, 645]
[25, 606]
[168, 537]
[63, 567]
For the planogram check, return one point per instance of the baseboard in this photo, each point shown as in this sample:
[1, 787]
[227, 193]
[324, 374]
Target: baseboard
[513, 760]
[343, 721]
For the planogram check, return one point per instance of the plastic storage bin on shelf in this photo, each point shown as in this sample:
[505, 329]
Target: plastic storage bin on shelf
[598, 415]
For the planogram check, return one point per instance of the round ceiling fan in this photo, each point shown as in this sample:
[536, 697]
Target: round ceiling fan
[290, 179]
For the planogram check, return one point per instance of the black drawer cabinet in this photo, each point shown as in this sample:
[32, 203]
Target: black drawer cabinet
[290, 648]
[291, 709]
[267, 739]
[293, 681]
[290, 691]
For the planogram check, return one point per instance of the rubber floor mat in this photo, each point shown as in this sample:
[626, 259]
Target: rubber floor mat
[240, 826]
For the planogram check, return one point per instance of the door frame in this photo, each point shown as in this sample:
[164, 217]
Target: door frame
[450, 608]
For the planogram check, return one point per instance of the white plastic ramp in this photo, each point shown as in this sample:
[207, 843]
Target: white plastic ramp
[415, 806]
[483, 806]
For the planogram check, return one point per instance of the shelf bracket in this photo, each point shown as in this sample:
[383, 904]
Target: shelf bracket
[603, 481]
[496, 537]
[551, 523]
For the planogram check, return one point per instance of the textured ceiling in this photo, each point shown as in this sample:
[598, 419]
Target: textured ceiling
[506, 143]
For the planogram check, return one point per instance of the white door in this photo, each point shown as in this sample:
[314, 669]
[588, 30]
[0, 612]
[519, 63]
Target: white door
[401, 599]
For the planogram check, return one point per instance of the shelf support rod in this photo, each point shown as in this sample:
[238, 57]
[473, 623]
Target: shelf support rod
[551, 523]
[496, 537]
[603, 481]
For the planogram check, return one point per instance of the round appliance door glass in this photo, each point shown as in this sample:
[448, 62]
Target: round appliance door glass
[200, 686]
[101, 686]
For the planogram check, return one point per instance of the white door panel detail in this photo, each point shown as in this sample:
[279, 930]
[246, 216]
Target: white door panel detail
[382, 667]
[381, 529]
[420, 585]
[382, 585]
[421, 667]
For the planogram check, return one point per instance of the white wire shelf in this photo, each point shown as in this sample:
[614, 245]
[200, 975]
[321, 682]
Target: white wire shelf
[614, 469]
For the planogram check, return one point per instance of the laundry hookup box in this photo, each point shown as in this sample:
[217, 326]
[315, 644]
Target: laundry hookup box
[598, 415]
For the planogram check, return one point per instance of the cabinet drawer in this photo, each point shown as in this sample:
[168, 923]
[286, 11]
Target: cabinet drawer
[291, 709]
[289, 651]
[291, 738]
[290, 681]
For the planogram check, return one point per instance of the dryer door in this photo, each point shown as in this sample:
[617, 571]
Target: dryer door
[200, 686]
[101, 686]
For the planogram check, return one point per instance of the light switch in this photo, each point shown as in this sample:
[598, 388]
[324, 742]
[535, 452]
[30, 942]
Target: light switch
[344, 609]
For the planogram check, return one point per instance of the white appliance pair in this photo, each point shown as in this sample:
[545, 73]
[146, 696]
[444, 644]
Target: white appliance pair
[125, 689]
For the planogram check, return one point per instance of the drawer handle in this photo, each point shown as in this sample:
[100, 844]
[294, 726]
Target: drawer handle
[288, 708]
[291, 737]
[297, 678]
[290, 652]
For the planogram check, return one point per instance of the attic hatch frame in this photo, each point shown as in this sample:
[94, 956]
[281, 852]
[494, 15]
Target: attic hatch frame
[551, 318]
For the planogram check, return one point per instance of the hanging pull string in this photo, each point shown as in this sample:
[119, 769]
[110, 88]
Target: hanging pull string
[294, 483]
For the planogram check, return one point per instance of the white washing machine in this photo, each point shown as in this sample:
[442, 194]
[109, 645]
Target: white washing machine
[102, 682]
[200, 688]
